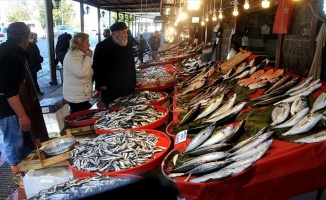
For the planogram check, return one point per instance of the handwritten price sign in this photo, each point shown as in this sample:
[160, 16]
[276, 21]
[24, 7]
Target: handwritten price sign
[181, 137]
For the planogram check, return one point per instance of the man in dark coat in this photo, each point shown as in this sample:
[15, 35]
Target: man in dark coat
[21, 116]
[154, 43]
[114, 65]
[142, 48]
[62, 46]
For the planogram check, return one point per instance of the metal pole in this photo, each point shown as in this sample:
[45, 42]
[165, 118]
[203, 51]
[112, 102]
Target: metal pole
[82, 20]
[50, 36]
[99, 24]
[110, 18]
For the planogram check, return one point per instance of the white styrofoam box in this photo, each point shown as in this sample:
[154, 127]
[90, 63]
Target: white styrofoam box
[39, 179]
[55, 121]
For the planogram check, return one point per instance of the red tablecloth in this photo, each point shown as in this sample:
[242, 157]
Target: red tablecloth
[286, 170]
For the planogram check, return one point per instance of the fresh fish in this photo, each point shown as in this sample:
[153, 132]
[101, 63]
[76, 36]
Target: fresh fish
[211, 108]
[192, 114]
[275, 76]
[318, 137]
[266, 74]
[241, 67]
[243, 74]
[208, 157]
[320, 103]
[260, 139]
[280, 113]
[186, 167]
[301, 84]
[221, 174]
[228, 74]
[288, 85]
[200, 138]
[270, 101]
[248, 140]
[246, 154]
[263, 64]
[234, 133]
[257, 74]
[310, 85]
[193, 86]
[225, 106]
[305, 124]
[209, 149]
[234, 111]
[218, 136]
[294, 119]
[246, 81]
[278, 84]
[265, 97]
[249, 160]
[252, 70]
[258, 84]
[299, 104]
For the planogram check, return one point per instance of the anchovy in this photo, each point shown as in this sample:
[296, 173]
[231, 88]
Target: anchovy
[320, 103]
[211, 108]
[218, 136]
[305, 124]
[294, 119]
[280, 113]
[317, 137]
[200, 138]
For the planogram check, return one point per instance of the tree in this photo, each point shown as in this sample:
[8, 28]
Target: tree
[20, 13]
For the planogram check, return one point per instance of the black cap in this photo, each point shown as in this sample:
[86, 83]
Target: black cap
[118, 26]
[17, 29]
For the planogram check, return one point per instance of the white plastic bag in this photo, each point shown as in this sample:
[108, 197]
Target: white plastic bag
[231, 54]
[245, 41]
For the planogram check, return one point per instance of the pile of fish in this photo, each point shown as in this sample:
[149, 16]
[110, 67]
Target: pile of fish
[286, 90]
[143, 97]
[155, 76]
[92, 115]
[81, 188]
[209, 159]
[129, 117]
[115, 152]
[298, 118]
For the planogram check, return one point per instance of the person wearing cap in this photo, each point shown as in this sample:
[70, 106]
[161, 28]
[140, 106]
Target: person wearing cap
[21, 118]
[114, 65]
[106, 33]
[142, 48]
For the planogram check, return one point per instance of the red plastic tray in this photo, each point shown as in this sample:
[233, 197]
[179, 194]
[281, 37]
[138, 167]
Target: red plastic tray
[163, 141]
[70, 119]
[153, 125]
[158, 103]
[158, 88]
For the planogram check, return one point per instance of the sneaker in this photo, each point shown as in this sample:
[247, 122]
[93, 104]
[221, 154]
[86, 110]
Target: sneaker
[18, 179]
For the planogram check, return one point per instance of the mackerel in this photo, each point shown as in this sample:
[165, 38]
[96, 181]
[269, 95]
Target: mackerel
[193, 86]
[192, 114]
[262, 138]
[318, 137]
[288, 85]
[214, 156]
[310, 85]
[249, 160]
[228, 114]
[225, 106]
[305, 124]
[234, 133]
[218, 136]
[270, 101]
[294, 119]
[200, 137]
[221, 174]
[300, 85]
[278, 84]
[209, 149]
[320, 103]
[211, 108]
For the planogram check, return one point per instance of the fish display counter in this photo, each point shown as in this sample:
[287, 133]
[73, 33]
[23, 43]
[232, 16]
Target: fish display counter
[252, 129]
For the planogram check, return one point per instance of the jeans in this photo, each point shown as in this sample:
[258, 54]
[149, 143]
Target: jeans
[18, 145]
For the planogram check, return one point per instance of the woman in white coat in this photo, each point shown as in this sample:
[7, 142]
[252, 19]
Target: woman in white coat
[77, 73]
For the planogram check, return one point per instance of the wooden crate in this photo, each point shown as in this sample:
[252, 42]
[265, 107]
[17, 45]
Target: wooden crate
[37, 159]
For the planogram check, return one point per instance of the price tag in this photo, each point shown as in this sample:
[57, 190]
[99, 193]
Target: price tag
[181, 137]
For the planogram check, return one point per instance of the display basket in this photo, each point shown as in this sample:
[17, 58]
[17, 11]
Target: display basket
[152, 125]
[158, 103]
[72, 119]
[157, 88]
[163, 141]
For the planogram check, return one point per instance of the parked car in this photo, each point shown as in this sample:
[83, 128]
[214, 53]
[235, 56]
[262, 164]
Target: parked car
[3, 33]
[60, 29]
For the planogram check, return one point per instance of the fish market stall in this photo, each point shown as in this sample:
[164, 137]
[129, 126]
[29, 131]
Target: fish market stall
[252, 129]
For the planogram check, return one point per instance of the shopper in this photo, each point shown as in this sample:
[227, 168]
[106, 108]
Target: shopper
[142, 48]
[106, 33]
[155, 44]
[34, 60]
[21, 118]
[62, 47]
[78, 72]
[114, 65]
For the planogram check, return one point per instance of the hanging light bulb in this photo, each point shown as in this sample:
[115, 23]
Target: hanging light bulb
[220, 12]
[206, 16]
[202, 21]
[246, 4]
[214, 18]
[265, 3]
[235, 10]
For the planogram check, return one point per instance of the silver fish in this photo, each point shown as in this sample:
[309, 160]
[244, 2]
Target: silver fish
[249, 160]
[211, 108]
[300, 85]
[225, 106]
[298, 104]
[209, 149]
[248, 140]
[243, 74]
[233, 111]
[236, 131]
[305, 124]
[320, 103]
[278, 84]
[294, 119]
[262, 138]
[209, 157]
[280, 113]
[310, 85]
[318, 137]
[221, 174]
[200, 138]
[218, 136]
[193, 86]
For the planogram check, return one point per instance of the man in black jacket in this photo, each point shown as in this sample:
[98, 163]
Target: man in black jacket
[62, 46]
[114, 65]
